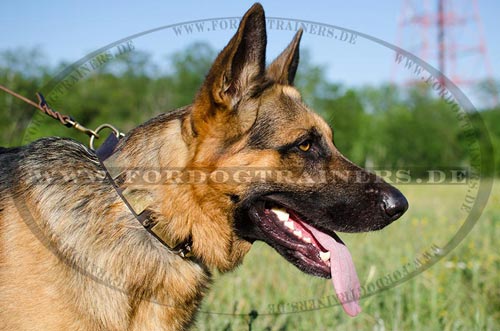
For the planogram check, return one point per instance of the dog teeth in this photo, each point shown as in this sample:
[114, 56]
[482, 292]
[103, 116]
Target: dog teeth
[281, 214]
[298, 233]
[307, 240]
[289, 224]
[324, 256]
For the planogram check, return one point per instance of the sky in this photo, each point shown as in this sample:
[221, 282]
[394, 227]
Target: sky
[69, 30]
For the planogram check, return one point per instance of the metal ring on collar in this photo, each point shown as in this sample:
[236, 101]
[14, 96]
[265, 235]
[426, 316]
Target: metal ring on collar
[117, 133]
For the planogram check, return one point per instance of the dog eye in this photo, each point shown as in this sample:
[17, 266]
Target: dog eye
[305, 145]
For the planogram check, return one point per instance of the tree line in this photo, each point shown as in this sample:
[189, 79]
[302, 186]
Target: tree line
[383, 126]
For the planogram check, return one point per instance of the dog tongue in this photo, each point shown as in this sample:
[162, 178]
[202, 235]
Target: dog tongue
[344, 277]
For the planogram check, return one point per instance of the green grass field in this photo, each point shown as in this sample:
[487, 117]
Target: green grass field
[460, 292]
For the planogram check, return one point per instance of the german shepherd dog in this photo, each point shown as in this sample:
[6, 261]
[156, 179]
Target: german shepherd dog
[73, 255]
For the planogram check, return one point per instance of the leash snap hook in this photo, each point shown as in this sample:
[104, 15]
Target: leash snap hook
[95, 134]
[74, 124]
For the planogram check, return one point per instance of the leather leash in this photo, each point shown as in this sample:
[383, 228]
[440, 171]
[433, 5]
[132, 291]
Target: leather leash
[182, 249]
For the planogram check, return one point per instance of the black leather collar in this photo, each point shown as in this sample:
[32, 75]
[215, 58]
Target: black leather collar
[182, 249]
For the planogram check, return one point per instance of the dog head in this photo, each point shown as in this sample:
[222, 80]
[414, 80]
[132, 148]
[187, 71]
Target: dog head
[288, 179]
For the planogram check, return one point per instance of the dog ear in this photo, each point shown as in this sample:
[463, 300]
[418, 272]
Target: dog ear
[237, 71]
[282, 70]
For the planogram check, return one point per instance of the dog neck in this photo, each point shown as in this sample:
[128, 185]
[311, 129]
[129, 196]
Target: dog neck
[150, 166]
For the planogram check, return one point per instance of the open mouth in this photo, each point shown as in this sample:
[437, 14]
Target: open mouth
[311, 250]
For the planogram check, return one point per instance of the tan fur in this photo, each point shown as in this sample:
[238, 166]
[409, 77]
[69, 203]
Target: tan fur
[292, 92]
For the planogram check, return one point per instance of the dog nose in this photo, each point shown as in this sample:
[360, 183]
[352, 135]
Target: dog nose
[394, 203]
